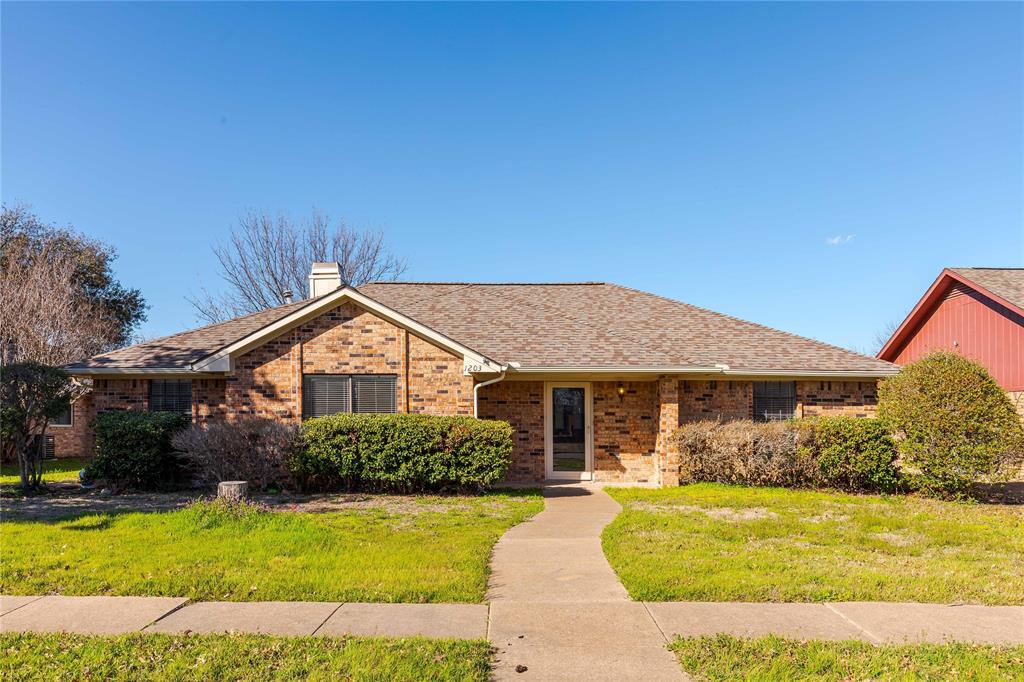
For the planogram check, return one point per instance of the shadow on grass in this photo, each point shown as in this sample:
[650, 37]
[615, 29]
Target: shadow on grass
[65, 503]
[999, 493]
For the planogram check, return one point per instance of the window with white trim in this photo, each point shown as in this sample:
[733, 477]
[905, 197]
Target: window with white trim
[774, 400]
[325, 394]
[171, 395]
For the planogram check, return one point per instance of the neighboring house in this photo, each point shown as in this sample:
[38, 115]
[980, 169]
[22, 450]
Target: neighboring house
[978, 312]
[593, 377]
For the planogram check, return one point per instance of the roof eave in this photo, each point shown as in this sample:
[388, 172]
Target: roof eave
[726, 371]
[94, 371]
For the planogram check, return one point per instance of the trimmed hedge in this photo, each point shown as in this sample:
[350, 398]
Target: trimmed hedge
[839, 452]
[856, 454]
[401, 452]
[134, 449]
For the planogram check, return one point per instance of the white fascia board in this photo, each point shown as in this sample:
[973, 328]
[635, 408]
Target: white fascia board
[710, 370]
[687, 369]
[222, 358]
[824, 373]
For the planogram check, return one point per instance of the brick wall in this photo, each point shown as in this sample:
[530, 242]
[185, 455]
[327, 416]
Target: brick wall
[266, 381]
[74, 440]
[853, 398]
[520, 403]
[715, 400]
[437, 384]
[625, 430]
[209, 400]
[120, 394]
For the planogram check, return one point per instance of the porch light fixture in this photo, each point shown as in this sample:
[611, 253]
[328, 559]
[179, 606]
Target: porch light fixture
[621, 390]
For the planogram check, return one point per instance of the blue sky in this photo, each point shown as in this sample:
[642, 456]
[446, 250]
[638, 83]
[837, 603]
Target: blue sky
[707, 152]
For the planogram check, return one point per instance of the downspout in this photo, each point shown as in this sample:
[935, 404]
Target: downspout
[477, 387]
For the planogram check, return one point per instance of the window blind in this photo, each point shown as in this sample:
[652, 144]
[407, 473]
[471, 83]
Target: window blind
[374, 393]
[171, 395]
[774, 400]
[325, 394]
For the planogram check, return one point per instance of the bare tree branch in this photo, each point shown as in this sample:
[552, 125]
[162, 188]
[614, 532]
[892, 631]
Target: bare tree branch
[267, 255]
[44, 315]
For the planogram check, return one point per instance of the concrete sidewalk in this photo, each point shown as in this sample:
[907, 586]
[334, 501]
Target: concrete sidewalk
[876, 622]
[118, 615]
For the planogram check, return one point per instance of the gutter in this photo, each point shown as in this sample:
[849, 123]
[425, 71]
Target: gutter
[477, 387]
[720, 369]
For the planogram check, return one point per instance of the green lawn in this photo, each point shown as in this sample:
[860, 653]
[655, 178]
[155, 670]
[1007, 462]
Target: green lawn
[53, 470]
[710, 542]
[724, 658]
[238, 657]
[412, 549]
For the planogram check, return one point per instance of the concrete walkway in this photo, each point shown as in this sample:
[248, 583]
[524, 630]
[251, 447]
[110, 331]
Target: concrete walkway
[558, 611]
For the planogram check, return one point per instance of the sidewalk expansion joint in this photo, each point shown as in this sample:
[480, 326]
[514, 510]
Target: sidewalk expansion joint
[176, 608]
[872, 636]
[32, 601]
[329, 616]
[656, 623]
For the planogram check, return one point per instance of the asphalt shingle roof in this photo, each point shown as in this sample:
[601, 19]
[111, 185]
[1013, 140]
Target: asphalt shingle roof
[596, 324]
[1005, 282]
[180, 350]
[577, 325]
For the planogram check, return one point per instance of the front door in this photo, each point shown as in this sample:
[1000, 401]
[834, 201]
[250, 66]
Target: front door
[568, 431]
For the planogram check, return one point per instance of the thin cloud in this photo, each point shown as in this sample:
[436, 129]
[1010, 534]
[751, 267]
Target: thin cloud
[840, 239]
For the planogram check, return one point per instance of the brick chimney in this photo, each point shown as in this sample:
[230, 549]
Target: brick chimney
[324, 278]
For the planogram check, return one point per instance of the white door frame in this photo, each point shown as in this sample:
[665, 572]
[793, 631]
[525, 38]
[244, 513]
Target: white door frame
[588, 437]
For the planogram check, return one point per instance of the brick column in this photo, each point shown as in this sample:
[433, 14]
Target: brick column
[666, 454]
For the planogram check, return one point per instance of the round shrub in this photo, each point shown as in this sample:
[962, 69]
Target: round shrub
[134, 449]
[856, 454]
[402, 452]
[952, 421]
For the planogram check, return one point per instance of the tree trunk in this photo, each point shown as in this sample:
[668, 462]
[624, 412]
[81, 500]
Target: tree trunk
[233, 491]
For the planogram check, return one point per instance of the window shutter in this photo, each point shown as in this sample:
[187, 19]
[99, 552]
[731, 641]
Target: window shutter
[374, 393]
[323, 395]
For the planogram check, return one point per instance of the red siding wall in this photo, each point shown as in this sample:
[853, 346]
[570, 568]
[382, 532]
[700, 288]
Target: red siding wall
[971, 323]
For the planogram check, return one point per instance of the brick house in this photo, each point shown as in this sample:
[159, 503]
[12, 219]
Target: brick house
[593, 377]
[978, 312]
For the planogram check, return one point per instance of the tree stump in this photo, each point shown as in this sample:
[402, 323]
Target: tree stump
[233, 491]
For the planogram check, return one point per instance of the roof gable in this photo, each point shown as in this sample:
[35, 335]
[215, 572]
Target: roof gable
[1004, 286]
